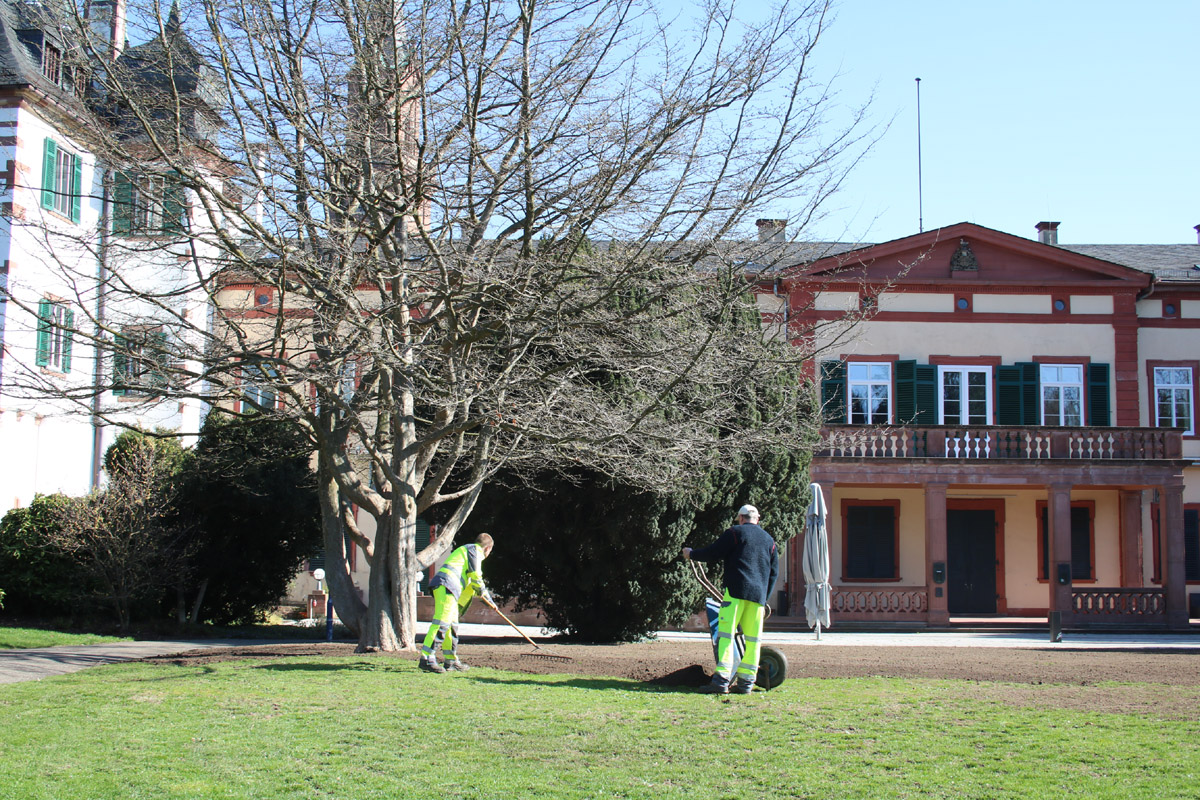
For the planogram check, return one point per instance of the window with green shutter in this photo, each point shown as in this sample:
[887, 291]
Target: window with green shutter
[55, 321]
[62, 181]
[141, 361]
[148, 205]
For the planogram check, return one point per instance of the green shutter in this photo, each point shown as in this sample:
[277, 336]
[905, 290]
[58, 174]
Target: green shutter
[120, 365]
[77, 190]
[173, 205]
[122, 204]
[916, 393]
[1098, 395]
[1018, 394]
[44, 325]
[161, 358]
[833, 391]
[1008, 395]
[49, 163]
[69, 323]
[926, 390]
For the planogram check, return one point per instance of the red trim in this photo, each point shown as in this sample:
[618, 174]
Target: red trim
[977, 318]
[1152, 418]
[857, 358]
[1041, 538]
[1169, 322]
[966, 361]
[895, 504]
[1186, 508]
[1156, 543]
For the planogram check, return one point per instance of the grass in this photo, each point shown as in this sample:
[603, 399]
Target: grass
[16, 638]
[372, 727]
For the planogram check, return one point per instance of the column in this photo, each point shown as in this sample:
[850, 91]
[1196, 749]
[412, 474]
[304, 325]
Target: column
[935, 552]
[1132, 575]
[1171, 556]
[1058, 543]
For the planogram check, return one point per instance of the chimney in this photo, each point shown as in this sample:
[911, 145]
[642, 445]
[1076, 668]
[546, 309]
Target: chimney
[772, 230]
[1048, 232]
[107, 21]
[1197, 229]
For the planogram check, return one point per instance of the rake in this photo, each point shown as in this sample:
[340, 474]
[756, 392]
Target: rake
[540, 653]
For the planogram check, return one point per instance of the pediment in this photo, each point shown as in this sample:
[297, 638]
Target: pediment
[969, 253]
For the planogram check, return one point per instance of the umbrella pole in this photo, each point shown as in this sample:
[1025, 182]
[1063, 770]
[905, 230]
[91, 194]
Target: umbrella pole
[818, 631]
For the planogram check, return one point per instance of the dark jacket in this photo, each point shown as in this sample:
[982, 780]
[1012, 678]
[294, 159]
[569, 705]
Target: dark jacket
[751, 561]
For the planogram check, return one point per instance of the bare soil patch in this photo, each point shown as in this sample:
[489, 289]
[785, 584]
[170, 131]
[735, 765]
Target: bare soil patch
[1160, 682]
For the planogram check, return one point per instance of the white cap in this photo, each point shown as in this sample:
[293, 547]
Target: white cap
[748, 511]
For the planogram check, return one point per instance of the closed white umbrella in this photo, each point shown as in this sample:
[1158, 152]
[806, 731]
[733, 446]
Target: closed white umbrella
[816, 563]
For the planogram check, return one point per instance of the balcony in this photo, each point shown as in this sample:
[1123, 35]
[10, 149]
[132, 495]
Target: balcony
[994, 442]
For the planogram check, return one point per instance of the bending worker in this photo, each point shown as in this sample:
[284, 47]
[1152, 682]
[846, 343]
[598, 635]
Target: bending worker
[751, 567]
[454, 586]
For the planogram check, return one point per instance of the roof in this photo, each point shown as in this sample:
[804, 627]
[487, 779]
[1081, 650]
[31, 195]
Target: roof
[1166, 262]
[20, 53]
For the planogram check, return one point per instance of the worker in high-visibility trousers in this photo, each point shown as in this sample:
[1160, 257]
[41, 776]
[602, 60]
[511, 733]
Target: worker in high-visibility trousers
[454, 586]
[751, 567]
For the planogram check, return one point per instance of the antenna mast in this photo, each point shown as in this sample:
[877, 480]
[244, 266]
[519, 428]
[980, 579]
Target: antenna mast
[920, 200]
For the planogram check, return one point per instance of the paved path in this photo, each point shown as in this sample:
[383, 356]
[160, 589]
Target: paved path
[35, 664]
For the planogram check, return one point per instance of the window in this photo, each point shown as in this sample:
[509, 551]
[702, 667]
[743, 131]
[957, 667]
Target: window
[1173, 398]
[147, 204]
[870, 390]
[62, 179]
[52, 66]
[140, 361]
[966, 395]
[1062, 394]
[871, 538]
[258, 390]
[1082, 537]
[55, 321]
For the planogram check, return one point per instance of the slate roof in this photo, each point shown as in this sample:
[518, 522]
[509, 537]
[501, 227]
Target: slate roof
[20, 64]
[1167, 262]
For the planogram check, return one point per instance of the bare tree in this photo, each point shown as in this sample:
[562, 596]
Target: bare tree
[447, 236]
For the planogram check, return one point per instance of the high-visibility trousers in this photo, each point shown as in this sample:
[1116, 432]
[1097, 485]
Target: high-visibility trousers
[748, 616]
[443, 629]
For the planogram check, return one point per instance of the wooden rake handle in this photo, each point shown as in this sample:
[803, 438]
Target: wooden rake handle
[510, 622]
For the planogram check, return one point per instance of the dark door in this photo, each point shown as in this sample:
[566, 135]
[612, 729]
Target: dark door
[971, 561]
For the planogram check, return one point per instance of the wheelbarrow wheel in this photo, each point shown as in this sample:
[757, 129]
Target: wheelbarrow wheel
[772, 667]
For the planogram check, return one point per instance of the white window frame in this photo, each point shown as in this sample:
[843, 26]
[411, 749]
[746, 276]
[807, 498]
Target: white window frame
[1045, 383]
[964, 370]
[870, 384]
[64, 181]
[1175, 388]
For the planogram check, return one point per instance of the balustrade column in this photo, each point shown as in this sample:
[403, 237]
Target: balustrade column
[1171, 555]
[935, 552]
[1131, 539]
[1058, 545]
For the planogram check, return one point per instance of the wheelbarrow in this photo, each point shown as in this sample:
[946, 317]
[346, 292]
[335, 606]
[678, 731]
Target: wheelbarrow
[772, 663]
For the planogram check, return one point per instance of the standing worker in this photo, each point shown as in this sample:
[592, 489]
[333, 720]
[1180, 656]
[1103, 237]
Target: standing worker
[454, 586]
[751, 567]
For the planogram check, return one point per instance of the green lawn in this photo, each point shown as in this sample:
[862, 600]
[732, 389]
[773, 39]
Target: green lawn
[362, 727]
[24, 638]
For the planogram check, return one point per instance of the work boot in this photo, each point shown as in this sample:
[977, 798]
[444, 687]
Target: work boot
[743, 687]
[430, 665]
[716, 687]
[457, 665]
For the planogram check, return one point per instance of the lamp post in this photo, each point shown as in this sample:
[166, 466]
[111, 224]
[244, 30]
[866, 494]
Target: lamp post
[319, 574]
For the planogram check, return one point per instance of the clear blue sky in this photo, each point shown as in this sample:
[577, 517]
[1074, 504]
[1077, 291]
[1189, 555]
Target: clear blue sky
[1086, 113]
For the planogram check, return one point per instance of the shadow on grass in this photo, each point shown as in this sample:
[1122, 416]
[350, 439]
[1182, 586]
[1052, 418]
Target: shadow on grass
[494, 677]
